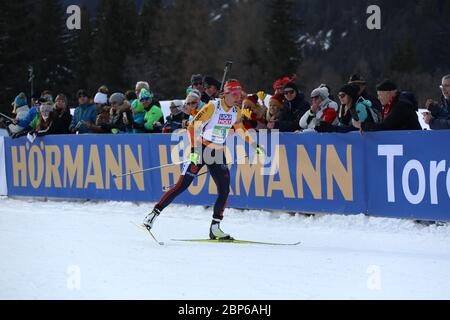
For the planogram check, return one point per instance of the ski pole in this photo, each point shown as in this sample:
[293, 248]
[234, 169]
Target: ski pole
[150, 169]
[228, 66]
[167, 188]
[6, 117]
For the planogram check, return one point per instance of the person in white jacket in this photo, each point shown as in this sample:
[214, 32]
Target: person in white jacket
[322, 109]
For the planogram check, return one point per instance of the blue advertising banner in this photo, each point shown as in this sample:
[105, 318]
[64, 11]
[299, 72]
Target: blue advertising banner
[407, 174]
[392, 174]
[78, 167]
[303, 172]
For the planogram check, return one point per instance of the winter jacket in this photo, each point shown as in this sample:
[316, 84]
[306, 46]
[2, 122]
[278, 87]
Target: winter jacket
[87, 113]
[299, 106]
[22, 112]
[440, 124]
[175, 122]
[344, 121]
[153, 115]
[401, 116]
[376, 104]
[25, 122]
[62, 122]
[441, 110]
[292, 112]
[327, 113]
[121, 120]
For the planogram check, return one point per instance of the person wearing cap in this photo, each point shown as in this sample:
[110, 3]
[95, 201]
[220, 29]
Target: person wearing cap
[349, 109]
[85, 114]
[438, 115]
[216, 119]
[323, 109]
[295, 106]
[356, 79]
[21, 110]
[192, 105]
[174, 121]
[153, 117]
[274, 112]
[101, 98]
[46, 124]
[30, 121]
[212, 87]
[398, 112]
[253, 114]
[196, 84]
[63, 118]
[121, 116]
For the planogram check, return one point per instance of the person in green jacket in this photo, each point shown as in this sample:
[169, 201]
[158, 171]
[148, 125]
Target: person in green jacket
[154, 117]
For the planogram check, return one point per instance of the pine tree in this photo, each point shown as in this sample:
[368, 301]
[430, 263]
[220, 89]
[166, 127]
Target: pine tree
[282, 52]
[144, 61]
[115, 29]
[50, 58]
[80, 54]
[16, 49]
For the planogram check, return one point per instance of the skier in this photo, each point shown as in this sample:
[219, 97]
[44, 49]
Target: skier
[216, 119]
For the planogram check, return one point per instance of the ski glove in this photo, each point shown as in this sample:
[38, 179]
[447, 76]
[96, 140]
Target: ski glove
[194, 158]
[260, 151]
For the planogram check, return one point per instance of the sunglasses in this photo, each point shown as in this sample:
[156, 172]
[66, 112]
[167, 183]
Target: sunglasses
[316, 97]
[144, 99]
[342, 95]
[289, 91]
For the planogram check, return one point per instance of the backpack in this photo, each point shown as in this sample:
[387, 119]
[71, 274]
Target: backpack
[367, 104]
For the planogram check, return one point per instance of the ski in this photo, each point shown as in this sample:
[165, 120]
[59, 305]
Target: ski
[237, 241]
[142, 227]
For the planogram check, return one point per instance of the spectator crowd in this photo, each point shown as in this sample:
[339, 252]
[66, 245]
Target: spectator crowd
[286, 109]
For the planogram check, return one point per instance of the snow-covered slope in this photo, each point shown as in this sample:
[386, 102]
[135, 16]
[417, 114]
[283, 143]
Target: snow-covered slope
[61, 250]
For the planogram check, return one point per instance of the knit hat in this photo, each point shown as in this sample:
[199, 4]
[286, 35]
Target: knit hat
[20, 100]
[145, 94]
[82, 92]
[387, 85]
[357, 79]
[277, 84]
[142, 85]
[210, 81]
[46, 99]
[277, 99]
[352, 90]
[253, 99]
[196, 78]
[177, 103]
[101, 98]
[322, 92]
[194, 93]
[291, 85]
[281, 82]
[118, 98]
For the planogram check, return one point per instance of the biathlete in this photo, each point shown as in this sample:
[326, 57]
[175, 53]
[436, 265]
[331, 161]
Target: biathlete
[216, 119]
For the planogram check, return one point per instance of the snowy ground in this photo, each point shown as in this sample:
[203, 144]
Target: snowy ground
[65, 250]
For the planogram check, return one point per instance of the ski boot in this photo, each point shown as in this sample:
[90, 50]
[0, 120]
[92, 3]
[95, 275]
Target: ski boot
[150, 218]
[215, 233]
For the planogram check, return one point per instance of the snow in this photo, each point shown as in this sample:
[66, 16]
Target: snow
[91, 250]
